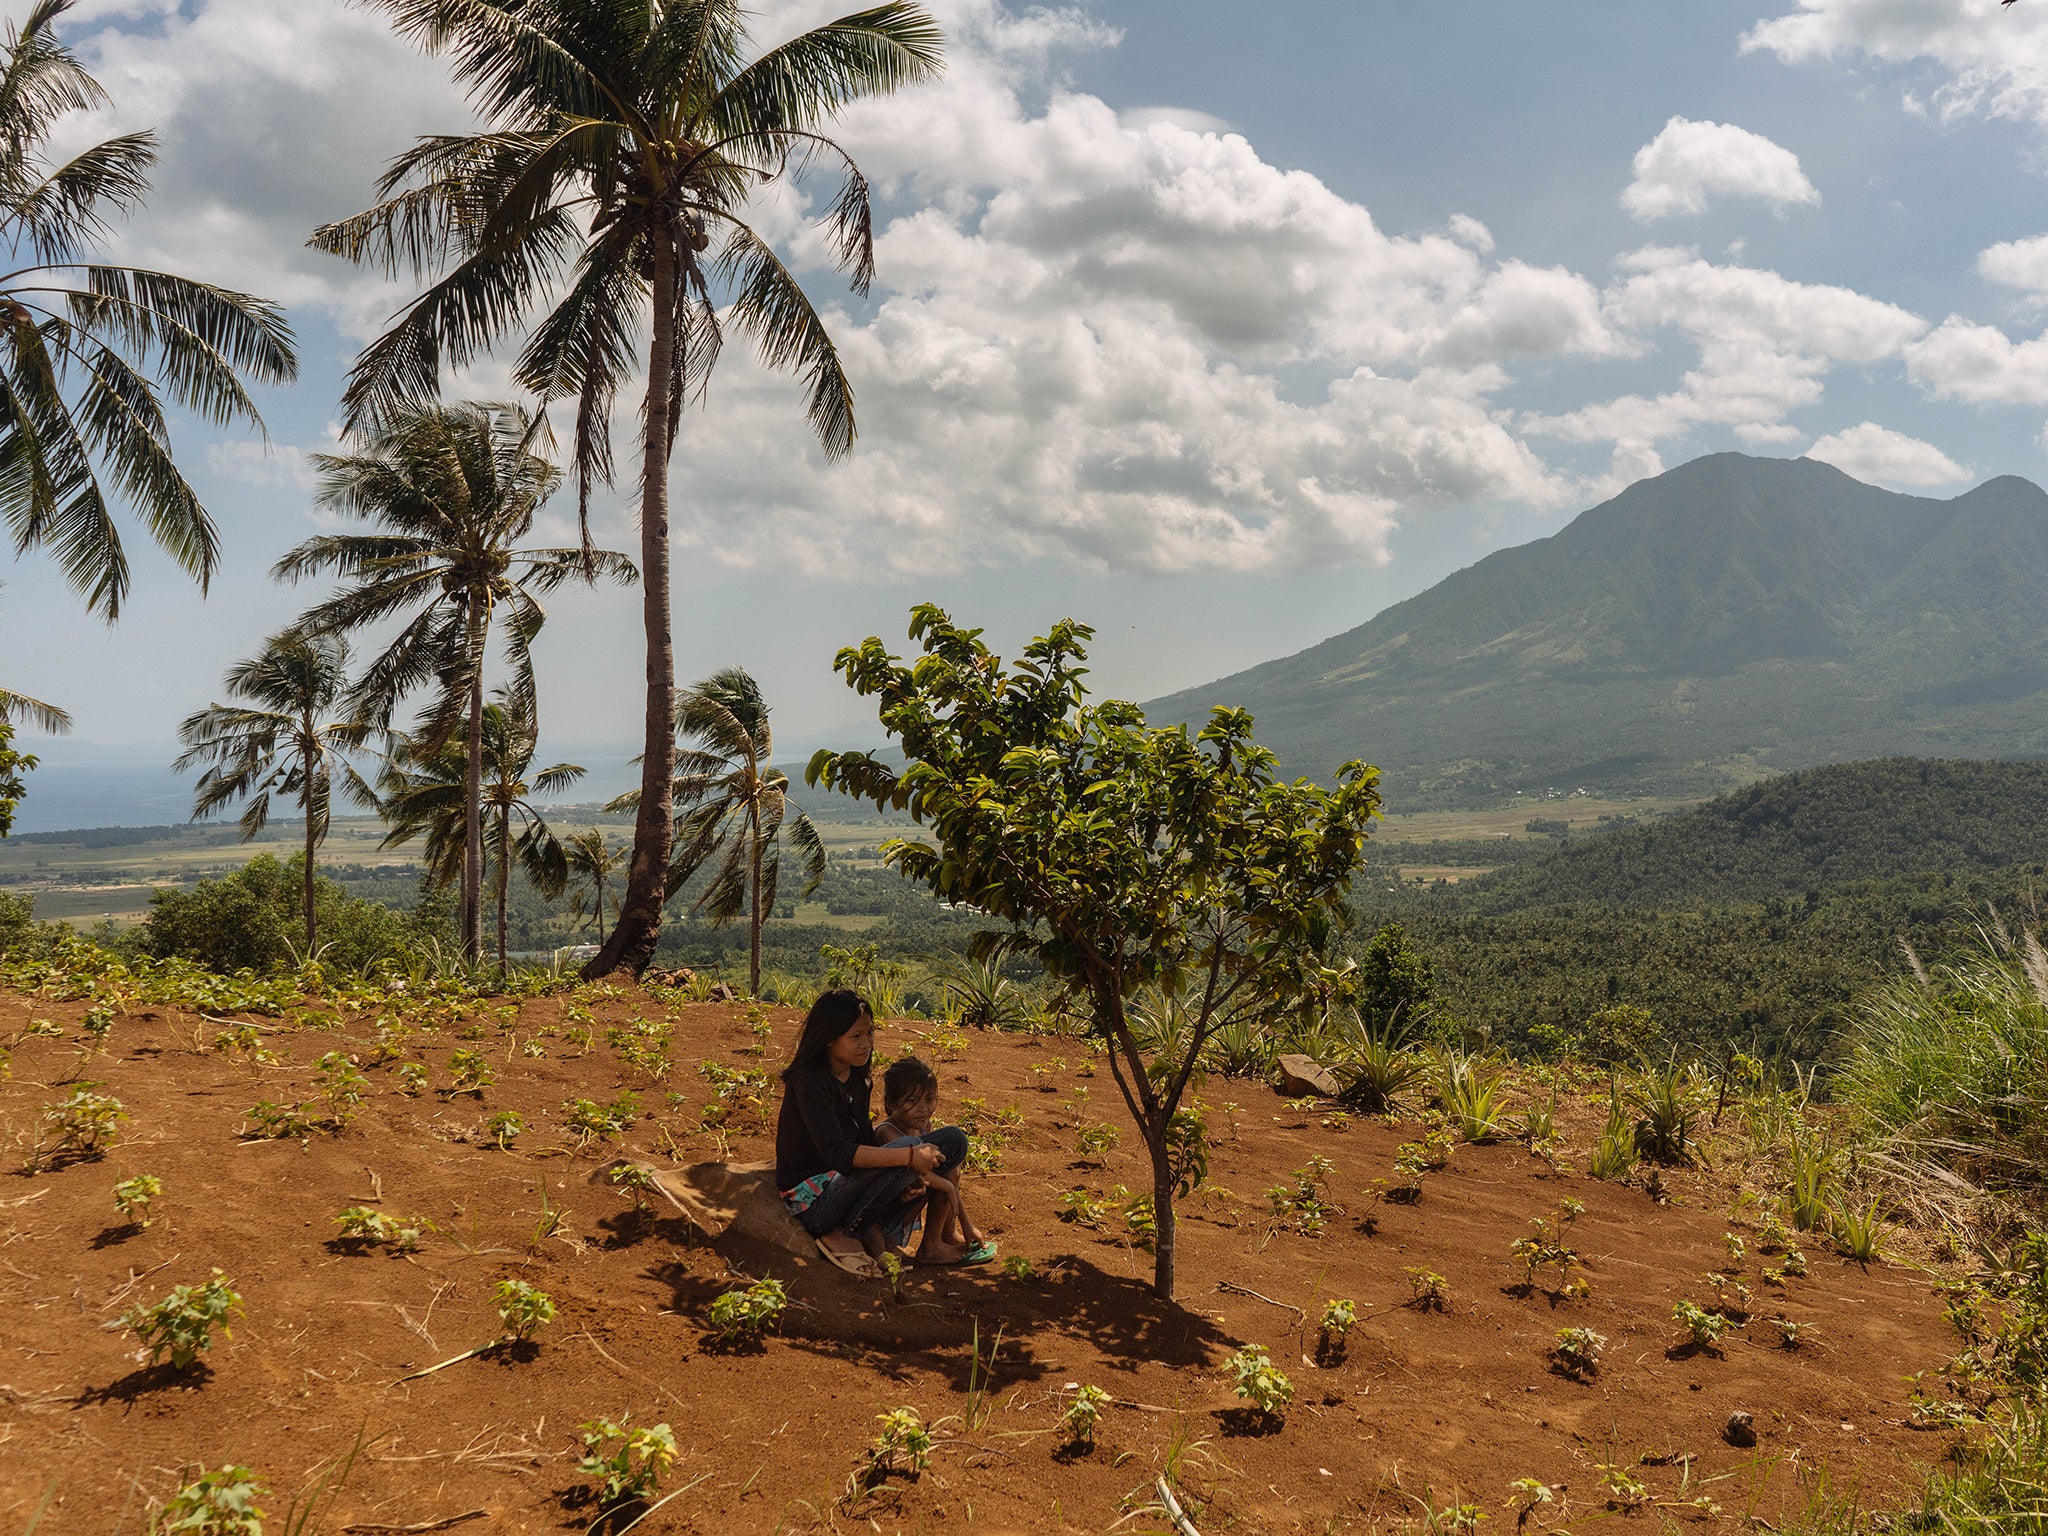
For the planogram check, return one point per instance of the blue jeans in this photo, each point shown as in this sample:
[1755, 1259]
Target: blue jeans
[869, 1197]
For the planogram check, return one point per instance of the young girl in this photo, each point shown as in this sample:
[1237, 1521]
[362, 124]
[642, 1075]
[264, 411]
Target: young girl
[910, 1097]
[850, 1194]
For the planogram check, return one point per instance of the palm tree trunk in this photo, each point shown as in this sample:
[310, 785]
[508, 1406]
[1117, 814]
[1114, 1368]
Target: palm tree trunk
[472, 805]
[504, 879]
[311, 848]
[639, 926]
[754, 905]
[599, 878]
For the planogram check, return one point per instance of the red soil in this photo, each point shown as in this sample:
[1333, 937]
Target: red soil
[1441, 1407]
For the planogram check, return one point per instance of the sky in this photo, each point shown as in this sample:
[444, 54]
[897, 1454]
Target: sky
[1217, 327]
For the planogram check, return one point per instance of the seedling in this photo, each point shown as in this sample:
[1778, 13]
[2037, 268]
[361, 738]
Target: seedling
[1333, 1332]
[1704, 1327]
[1625, 1491]
[217, 1503]
[628, 1464]
[1578, 1350]
[360, 1224]
[745, 1317]
[183, 1323]
[274, 1122]
[892, 1271]
[1095, 1140]
[522, 1310]
[1736, 1247]
[1259, 1382]
[1077, 1205]
[471, 1073]
[412, 1077]
[1525, 1496]
[1790, 1332]
[1304, 1206]
[1427, 1289]
[505, 1127]
[1795, 1264]
[341, 1085]
[631, 1176]
[1078, 1418]
[1017, 1267]
[132, 1197]
[1860, 1234]
[246, 1039]
[904, 1445]
[81, 1128]
[1142, 1221]
[592, 1121]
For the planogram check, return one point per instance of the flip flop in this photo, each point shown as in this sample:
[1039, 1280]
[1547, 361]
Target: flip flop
[982, 1253]
[856, 1264]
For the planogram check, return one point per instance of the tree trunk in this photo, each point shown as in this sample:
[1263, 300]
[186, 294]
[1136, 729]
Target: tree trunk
[639, 925]
[311, 847]
[600, 908]
[504, 879]
[1162, 1213]
[754, 905]
[473, 809]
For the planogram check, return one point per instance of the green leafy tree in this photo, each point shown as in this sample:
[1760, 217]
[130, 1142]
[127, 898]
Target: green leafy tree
[1124, 857]
[284, 739]
[248, 918]
[425, 794]
[90, 352]
[592, 864]
[1394, 979]
[450, 491]
[732, 808]
[627, 140]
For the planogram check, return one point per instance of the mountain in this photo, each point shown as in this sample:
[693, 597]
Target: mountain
[1730, 618]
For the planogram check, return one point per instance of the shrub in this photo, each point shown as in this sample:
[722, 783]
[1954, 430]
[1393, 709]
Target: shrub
[1860, 1234]
[745, 1316]
[1078, 1418]
[183, 1323]
[1614, 1154]
[1475, 1097]
[83, 1126]
[1664, 1102]
[471, 1073]
[341, 1085]
[522, 1310]
[274, 1122]
[1374, 1067]
[1258, 1382]
[1578, 1350]
[592, 1121]
[133, 1197]
[217, 1503]
[628, 1464]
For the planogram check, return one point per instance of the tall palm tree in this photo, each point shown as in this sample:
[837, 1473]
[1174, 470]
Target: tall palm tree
[426, 792]
[90, 352]
[592, 862]
[283, 740]
[450, 490]
[624, 140]
[732, 807]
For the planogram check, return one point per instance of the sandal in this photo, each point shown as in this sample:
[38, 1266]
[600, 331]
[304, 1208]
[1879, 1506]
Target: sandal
[981, 1253]
[856, 1264]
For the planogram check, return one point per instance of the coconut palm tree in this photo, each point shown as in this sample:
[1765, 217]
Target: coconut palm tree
[592, 862]
[732, 808]
[91, 352]
[450, 491]
[426, 794]
[623, 142]
[285, 739]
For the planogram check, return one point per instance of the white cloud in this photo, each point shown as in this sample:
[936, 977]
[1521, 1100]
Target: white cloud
[1884, 457]
[1962, 360]
[270, 465]
[2017, 264]
[1689, 162]
[1994, 57]
[1765, 343]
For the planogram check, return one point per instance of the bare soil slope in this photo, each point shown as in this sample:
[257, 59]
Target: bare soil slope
[1426, 1409]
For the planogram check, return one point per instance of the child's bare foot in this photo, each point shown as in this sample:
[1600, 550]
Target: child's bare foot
[936, 1250]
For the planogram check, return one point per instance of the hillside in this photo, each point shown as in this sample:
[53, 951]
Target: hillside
[1731, 617]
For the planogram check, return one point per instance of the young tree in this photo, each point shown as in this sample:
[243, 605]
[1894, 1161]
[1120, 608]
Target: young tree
[90, 352]
[592, 863]
[1120, 854]
[731, 807]
[286, 744]
[625, 141]
[450, 491]
[425, 793]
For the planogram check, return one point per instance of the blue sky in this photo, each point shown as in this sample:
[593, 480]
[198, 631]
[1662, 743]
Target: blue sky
[1219, 334]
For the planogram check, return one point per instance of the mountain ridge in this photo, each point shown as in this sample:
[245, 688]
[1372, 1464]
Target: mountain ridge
[1732, 617]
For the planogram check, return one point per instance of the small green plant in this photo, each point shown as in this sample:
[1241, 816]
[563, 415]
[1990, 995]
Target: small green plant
[745, 1317]
[522, 1310]
[80, 1128]
[504, 1128]
[341, 1085]
[1736, 1247]
[470, 1072]
[1525, 1496]
[412, 1077]
[1333, 1330]
[1259, 1382]
[1079, 1417]
[1017, 1267]
[1790, 1332]
[1614, 1154]
[1095, 1140]
[1794, 1264]
[217, 1503]
[1811, 1185]
[903, 1446]
[1578, 1350]
[1427, 1290]
[183, 1323]
[1625, 1491]
[1860, 1234]
[892, 1272]
[637, 1181]
[1079, 1206]
[133, 1197]
[274, 1122]
[592, 1121]
[1703, 1327]
[627, 1464]
[360, 1224]
[1304, 1206]
[1141, 1220]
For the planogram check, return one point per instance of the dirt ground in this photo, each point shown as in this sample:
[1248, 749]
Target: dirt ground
[1426, 1409]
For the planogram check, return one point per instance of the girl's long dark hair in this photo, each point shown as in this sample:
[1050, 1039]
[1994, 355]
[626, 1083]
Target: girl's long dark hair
[832, 1015]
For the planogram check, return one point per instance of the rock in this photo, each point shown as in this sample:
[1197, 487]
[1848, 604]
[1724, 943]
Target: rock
[1304, 1077]
[1740, 1429]
[681, 976]
[722, 993]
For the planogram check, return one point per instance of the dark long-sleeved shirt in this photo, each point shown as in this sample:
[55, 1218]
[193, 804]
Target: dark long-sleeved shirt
[821, 1122]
